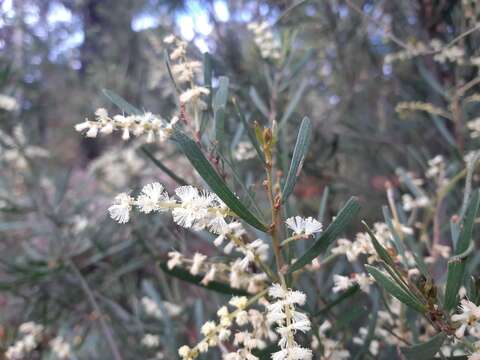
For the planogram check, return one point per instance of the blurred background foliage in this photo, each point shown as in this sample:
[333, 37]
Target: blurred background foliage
[65, 264]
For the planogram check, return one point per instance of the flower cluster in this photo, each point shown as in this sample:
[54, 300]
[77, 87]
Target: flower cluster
[344, 282]
[244, 151]
[147, 124]
[404, 108]
[152, 309]
[193, 209]
[32, 335]
[409, 202]
[363, 244]
[151, 341]
[8, 103]
[219, 332]
[468, 318]
[15, 149]
[332, 348]
[441, 53]
[184, 71]
[474, 127]
[268, 45]
[454, 54]
[61, 348]
[289, 321]
[436, 168]
[115, 168]
[235, 273]
[199, 210]
[415, 185]
[413, 50]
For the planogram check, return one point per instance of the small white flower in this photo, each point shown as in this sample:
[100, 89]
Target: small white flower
[151, 341]
[240, 302]
[175, 259]
[92, 132]
[304, 227]
[468, 318]
[193, 94]
[198, 260]
[474, 127]
[244, 151]
[185, 352]
[295, 353]
[153, 198]
[342, 282]
[120, 210]
[61, 348]
[364, 281]
[151, 308]
[209, 276]
[347, 248]
[82, 126]
[8, 103]
[208, 328]
[169, 39]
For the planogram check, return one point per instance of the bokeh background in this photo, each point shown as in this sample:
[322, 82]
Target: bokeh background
[350, 71]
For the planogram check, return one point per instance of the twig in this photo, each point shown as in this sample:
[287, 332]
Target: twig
[468, 181]
[91, 298]
[288, 10]
[404, 45]
[462, 35]
[388, 34]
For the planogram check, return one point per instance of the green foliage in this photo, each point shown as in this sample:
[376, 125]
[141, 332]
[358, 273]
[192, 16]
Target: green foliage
[383, 106]
[299, 154]
[393, 287]
[426, 350]
[456, 265]
[342, 220]
[208, 173]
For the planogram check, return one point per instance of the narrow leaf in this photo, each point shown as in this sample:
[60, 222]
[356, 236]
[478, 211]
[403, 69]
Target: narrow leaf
[382, 253]
[468, 222]
[162, 167]
[351, 291]
[344, 217]
[296, 69]
[221, 95]
[394, 289]
[456, 265]
[299, 153]
[207, 77]
[185, 275]
[426, 350]
[292, 105]
[372, 323]
[219, 120]
[218, 186]
[397, 241]
[250, 132]
[170, 74]
[219, 110]
[122, 104]
[258, 102]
